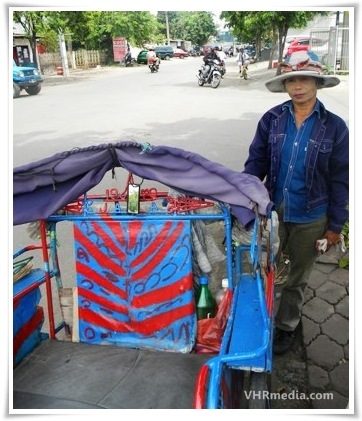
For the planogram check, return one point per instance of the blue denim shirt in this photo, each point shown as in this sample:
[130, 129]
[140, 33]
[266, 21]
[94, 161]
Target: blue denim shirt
[290, 188]
[326, 160]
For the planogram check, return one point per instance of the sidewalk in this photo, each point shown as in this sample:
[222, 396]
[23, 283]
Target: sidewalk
[76, 75]
[325, 330]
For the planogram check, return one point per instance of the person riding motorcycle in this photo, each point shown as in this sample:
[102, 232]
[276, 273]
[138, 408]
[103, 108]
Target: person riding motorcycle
[128, 58]
[152, 57]
[209, 61]
[243, 60]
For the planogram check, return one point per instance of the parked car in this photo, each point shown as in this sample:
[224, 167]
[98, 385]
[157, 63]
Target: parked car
[195, 51]
[142, 57]
[164, 52]
[27, 78]
[305, 44]
[180, 53]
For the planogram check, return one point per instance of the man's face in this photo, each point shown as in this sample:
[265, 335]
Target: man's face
[301, 89]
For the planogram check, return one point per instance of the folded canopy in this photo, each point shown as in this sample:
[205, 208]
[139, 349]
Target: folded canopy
[43, 187]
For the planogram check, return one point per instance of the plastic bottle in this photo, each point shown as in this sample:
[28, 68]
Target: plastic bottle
[220, 294]
[206, 305]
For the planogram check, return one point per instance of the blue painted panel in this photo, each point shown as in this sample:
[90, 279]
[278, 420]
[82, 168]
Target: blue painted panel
[135, 283]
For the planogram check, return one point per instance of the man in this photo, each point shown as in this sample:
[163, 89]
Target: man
[208, 60]
[302, 150]
[152, 57]
[243, 58]
[221, 54]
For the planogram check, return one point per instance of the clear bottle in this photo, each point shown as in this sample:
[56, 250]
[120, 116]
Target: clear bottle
[221, 293]
[206, 305]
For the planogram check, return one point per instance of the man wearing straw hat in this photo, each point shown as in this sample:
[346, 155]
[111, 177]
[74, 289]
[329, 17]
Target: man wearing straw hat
[301, 150]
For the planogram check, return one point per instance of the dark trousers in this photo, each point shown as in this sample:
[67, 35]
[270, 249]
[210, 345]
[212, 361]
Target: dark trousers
[297, 241]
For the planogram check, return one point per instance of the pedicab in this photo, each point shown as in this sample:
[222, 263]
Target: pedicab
[131, 338]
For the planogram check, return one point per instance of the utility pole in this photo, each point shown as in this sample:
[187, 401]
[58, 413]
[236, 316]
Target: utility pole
[63, 54]
[167, 29]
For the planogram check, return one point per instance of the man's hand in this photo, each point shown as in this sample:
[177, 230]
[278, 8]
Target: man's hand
[329, 239]
[332, 238]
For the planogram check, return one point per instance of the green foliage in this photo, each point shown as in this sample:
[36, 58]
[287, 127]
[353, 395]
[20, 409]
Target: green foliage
[258, 27]
[345, 232]
[196, 27]
[344, 260]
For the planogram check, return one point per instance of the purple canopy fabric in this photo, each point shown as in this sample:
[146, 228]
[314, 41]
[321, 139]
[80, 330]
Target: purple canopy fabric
[42, 188]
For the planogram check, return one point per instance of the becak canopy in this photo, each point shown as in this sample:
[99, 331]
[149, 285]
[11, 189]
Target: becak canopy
[44, 187]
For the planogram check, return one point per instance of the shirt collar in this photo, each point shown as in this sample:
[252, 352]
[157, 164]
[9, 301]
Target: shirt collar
[289, 105]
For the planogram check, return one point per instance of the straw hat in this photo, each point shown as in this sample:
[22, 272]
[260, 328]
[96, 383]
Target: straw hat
[301, 64]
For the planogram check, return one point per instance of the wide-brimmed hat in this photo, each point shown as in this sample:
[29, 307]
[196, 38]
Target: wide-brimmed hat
[301, 64]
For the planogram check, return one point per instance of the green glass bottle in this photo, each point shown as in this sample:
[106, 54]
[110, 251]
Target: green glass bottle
[206, 305]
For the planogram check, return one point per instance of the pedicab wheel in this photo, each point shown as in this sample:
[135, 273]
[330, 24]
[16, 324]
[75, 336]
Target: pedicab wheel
[251, 390]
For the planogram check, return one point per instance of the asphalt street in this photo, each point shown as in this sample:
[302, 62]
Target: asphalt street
[165, 108]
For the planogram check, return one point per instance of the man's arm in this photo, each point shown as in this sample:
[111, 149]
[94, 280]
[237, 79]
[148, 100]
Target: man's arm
[339, 184]
[258, 160]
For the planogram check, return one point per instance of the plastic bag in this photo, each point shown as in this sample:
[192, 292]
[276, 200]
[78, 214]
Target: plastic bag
[210, 331]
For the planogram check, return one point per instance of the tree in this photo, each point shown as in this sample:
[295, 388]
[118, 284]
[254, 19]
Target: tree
[32, 22]
[196, 27]
[137, 27]
[172, 21]
[268, 25]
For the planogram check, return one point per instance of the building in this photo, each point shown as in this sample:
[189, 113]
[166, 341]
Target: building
[22, 52]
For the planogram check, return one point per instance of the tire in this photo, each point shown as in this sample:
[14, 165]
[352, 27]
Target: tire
[200, 82]
[167, 57]
[259, 385]
[215, 82]
[16, 90]
[33, 90]
[251, 390]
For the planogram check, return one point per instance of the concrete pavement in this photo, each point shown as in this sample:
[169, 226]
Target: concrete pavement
[325, 328]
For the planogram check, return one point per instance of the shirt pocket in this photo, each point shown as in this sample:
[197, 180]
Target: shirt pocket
[324, 154]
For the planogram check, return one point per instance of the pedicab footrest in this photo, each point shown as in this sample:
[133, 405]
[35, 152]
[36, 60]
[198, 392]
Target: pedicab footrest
[249, 327]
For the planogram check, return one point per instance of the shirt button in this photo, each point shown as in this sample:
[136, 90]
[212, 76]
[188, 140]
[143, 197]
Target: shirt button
[290, 166]
[295, 143]
[285, 189]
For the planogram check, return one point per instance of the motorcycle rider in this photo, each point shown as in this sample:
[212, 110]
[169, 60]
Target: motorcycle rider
[242, 59]
[128, 58]
[221, 54]
[208, 60]
[152, 57]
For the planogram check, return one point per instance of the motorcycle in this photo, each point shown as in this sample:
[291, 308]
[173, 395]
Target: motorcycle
[212, 76]
[154, 66]
[128, 60]
[222, 68]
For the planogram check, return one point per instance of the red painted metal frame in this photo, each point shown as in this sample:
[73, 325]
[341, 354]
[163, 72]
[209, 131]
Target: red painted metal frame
[48, 285]
[269, 290]
[200, 388]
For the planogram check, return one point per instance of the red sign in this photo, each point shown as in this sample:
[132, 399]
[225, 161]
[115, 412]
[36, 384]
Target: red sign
[119, 48]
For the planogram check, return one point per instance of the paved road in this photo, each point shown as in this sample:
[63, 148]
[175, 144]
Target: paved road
[164, 108]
